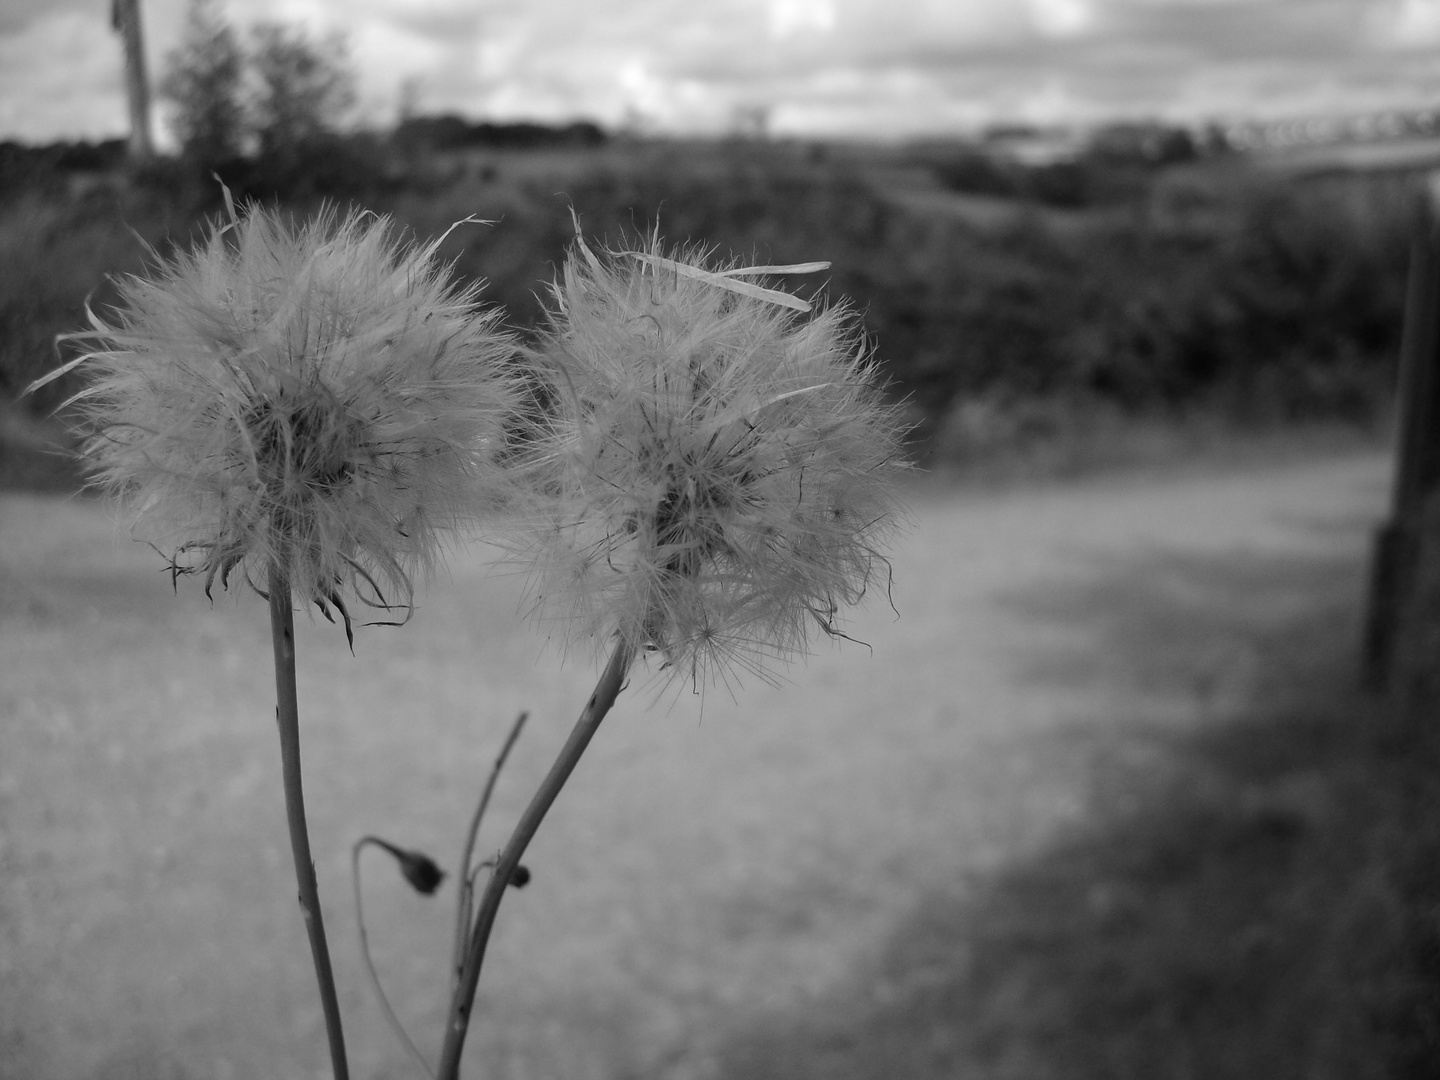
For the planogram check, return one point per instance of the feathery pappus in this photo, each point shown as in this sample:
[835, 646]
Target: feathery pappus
[320, 397]
[715, 479]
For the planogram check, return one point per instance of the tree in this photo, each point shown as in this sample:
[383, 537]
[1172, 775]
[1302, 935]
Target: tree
[203, 83]
[303, 87]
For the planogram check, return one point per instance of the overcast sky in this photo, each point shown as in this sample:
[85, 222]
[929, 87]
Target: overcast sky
[822, 67]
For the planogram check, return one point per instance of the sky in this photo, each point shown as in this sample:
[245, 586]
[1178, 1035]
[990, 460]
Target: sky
[822, 68]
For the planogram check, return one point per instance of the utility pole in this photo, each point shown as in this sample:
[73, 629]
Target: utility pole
[125, 18]
[1407, 547]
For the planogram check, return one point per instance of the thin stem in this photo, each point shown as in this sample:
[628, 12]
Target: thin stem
[287, 717]
[394, 1021]
[603, 697]
[467, 883]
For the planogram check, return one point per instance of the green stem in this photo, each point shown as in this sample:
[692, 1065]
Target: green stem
[603, 697]
[287, 717]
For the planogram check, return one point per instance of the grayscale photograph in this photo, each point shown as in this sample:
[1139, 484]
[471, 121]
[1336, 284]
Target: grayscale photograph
[720, 539]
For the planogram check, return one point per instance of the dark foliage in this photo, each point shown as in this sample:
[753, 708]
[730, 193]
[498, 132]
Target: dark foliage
[1285, 301]
[1220, 288]
[451, 132]
[203, 80]
[1116, 165]
[52, 168]
[339, 168]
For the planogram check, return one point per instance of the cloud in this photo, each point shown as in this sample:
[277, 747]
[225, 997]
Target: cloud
[860, 66]
[18, 16]
[789, 18]
[1275, 30]
[1408, 24]
[76, 89]
[1061, 18]
[900, 65]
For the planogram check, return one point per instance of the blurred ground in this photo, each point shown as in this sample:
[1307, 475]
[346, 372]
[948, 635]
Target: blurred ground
[728, 886]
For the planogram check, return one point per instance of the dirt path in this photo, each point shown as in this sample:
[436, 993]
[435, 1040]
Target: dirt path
[706, 867]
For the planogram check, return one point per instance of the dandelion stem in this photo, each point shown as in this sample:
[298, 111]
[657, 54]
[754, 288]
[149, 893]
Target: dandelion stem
[287, 717]
[464, 902]
[603, 697]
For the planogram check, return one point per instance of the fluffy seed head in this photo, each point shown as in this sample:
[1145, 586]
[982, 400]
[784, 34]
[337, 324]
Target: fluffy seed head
[318, 397]
[717, 472]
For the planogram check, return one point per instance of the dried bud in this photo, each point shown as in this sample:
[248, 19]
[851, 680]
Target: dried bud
[421, 871]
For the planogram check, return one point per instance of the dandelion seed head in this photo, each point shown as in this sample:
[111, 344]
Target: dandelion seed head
[319, 397]
[719, 470]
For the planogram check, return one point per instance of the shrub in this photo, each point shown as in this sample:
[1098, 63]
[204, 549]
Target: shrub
[1250, 294]
[55, 258]
[203, 83]
[1219, 288]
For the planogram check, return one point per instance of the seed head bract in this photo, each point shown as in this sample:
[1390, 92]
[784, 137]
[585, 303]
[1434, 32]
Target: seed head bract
[319, 397]
[717, 472]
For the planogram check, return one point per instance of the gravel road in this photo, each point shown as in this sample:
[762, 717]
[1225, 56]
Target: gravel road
[714, 861]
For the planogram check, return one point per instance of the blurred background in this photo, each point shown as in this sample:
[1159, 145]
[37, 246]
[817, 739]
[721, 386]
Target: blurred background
[1107, 799]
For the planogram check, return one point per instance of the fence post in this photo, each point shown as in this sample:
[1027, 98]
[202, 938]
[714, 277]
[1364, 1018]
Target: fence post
[1417, 451]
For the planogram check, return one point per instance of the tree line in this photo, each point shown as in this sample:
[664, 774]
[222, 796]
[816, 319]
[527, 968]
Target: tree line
[267, 94]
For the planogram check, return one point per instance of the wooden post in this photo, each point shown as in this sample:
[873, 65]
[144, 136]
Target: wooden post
[125, 18]
[1417, 467]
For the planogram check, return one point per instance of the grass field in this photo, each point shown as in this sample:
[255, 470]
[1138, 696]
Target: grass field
[1100, 802]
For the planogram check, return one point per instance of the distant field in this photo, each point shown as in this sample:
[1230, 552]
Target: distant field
[1378, 156]
[725, 880]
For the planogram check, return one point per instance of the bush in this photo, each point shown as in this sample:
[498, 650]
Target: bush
[51, 168]
[203, 81]
[56, 257]
[1217, 289]
[450, 132]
